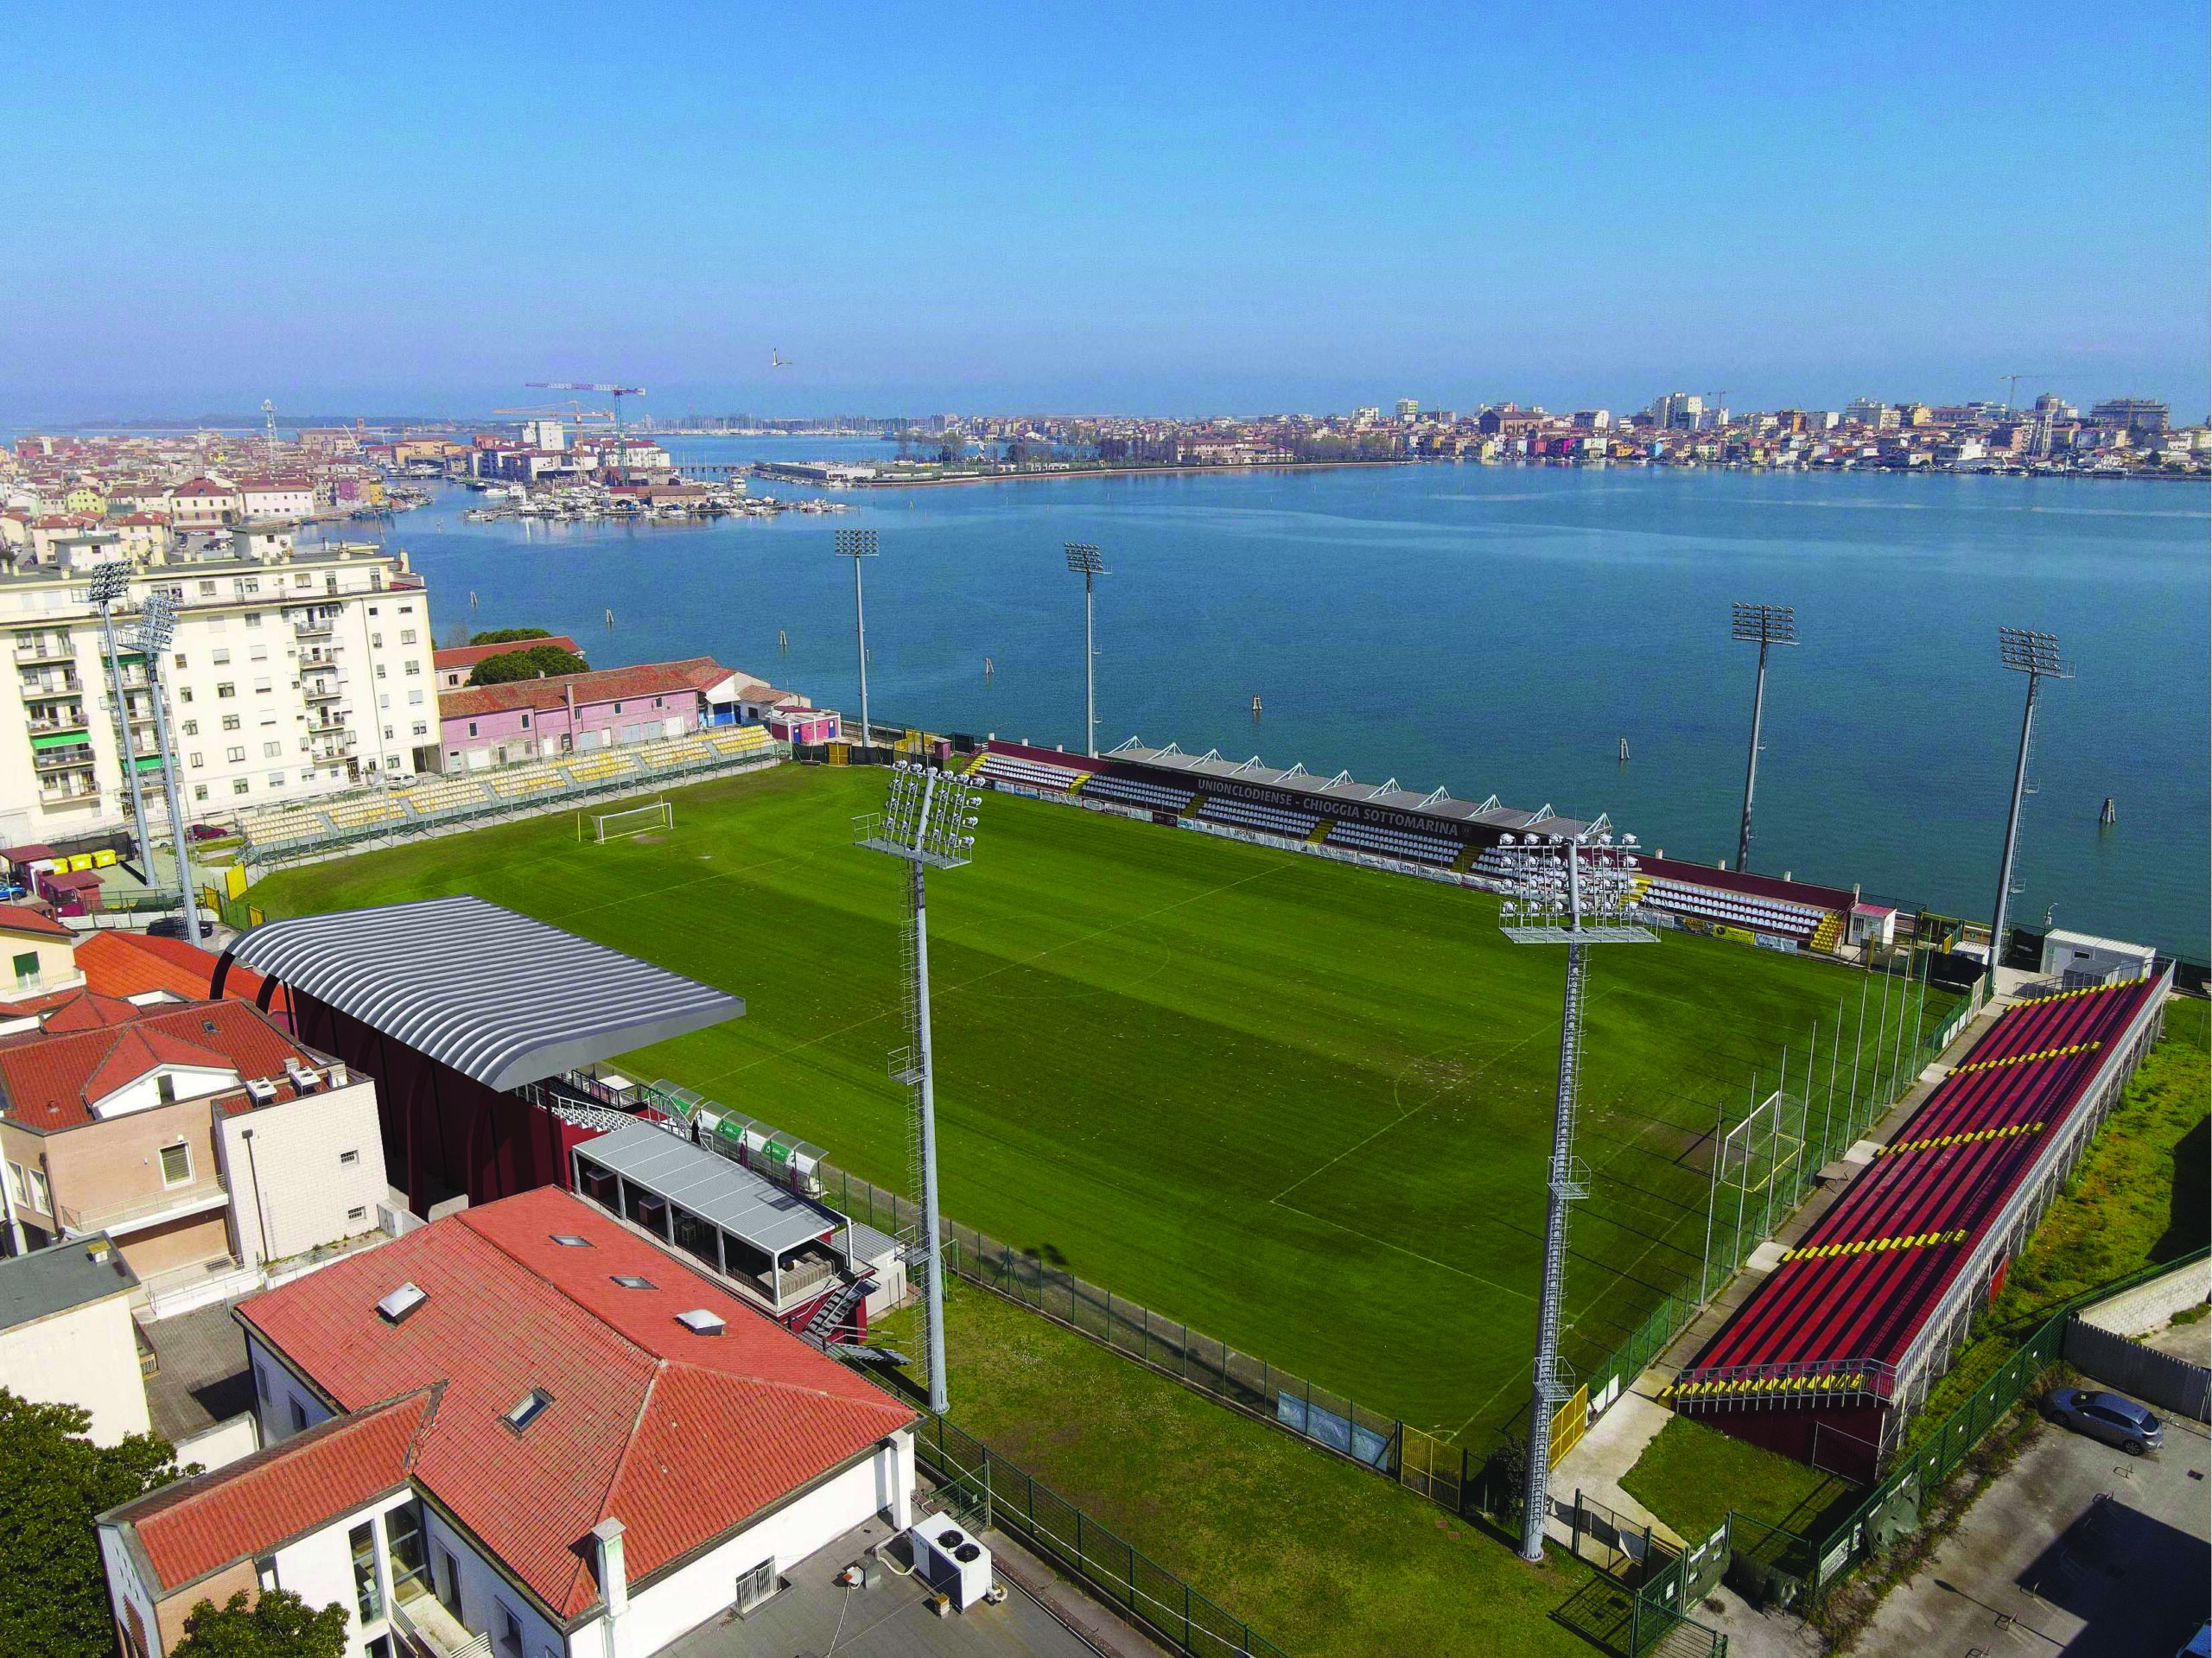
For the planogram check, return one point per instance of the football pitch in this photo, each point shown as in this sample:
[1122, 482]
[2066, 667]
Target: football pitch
[1303, 1106]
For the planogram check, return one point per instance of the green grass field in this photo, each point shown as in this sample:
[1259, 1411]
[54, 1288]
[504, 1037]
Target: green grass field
[1303, 1106]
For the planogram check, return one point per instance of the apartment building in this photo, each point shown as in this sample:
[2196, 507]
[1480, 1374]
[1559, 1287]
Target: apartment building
[294, 672]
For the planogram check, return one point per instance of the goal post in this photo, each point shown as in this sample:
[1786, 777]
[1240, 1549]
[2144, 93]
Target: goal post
[630, 820]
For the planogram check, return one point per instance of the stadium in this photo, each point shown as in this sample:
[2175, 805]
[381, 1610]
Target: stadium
[1251, 1077]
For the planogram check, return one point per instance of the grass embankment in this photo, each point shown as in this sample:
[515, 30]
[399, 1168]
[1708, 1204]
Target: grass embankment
[2137, 1198]
[1301, 1107]
[1690, 1476]
[1320, 1556]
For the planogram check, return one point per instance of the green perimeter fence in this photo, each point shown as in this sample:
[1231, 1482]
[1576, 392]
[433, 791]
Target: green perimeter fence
[984, 1488]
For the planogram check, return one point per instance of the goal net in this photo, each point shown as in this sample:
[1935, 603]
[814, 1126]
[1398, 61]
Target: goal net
[632, 820]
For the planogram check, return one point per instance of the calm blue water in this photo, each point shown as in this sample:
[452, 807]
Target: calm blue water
[1500, 630]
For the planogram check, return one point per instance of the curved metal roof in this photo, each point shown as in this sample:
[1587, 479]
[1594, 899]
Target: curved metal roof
[496, 995]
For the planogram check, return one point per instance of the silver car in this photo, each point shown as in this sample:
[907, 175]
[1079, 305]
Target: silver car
[2106, 1416]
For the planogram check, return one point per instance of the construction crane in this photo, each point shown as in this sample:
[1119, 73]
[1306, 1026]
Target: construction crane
[2013, 385]
[617, 392]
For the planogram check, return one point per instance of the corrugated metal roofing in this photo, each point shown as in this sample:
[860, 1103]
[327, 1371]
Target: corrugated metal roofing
[496, 995]
[710, 1185]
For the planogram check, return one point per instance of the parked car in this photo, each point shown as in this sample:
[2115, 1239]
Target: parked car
[207, 832]
[2106, 1416]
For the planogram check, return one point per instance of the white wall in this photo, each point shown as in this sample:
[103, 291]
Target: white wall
[124, 1583]
[483, 1590]
[221, 1445]
[275, 1389]
[707, 1587]
[319, 1569]
[87, 1356]
[307, 1193]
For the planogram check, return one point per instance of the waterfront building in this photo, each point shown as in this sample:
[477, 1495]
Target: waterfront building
[487, 726]
[2133, 414]
[292, 674]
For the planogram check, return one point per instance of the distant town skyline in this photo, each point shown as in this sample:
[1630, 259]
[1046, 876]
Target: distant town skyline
[1182, 213]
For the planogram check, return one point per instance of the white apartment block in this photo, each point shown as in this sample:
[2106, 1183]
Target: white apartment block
[294, 672]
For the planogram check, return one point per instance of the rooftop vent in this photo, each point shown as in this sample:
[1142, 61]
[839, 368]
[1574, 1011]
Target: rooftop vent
[528, 1408]
[631, 1281]
[570, 1240]
[262, 1090]
[700, 1321]
[396, 1307]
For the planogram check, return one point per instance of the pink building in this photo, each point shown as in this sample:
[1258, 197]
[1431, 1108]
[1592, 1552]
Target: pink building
[487, 725]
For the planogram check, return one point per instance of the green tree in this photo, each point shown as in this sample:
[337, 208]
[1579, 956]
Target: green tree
[53, 1480]
[278, 1625]
[526, 664]
[508, 635]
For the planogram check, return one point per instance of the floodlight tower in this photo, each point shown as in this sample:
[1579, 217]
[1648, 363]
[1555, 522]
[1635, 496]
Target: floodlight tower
[2036, 654]
[111, 582]
[156, 627]
[928, 821]
[1761, 625]
[857, 544]
[269, 414]
[1084, 560]
[1574, 890]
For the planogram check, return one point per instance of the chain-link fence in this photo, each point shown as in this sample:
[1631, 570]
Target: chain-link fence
[981, 1485]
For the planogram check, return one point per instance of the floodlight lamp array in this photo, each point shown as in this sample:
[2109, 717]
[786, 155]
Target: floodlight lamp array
[1085, 559]
[927, 817]
[156, 623]
[1764, 624]
[1540, 893]
[2023, 651]
[109, 583]
[856, 543]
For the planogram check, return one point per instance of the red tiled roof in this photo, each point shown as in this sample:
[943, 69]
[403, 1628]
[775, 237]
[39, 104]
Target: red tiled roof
[681, 1437]
[600, 685]
[467, 656]
[49, 1082]
[16, 918]
[198, 1526]
[119, 963]
[87, 1010]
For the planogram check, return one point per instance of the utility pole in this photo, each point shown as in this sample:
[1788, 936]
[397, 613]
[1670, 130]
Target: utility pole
[156, 627]
[111, 582]
[1574, 892]
[1762, 625]
[928, 822]
[857, 544]
[1084, 560]
[2021, 651]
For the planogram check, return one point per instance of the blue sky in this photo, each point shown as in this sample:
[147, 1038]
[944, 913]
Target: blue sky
[1191, 209]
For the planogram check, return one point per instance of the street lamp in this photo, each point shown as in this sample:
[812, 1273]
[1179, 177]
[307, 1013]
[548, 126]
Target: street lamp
[1572, 890]
[1084, 560]
[1761, 625]
[857, 544]
[2021, 651]
[928, 821]
[156, 627]
[111, 583]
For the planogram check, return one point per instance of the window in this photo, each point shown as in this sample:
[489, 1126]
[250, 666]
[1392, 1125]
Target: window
[510, 1631]
[413, 666]
[222, 656]
[528, 1408]
[402, 1538]
[387, 734]
[225, 688]
[265, 1572]
[656, 701]
[260, 652]
[270, 751]
[230, 722]
[299, 1417]
[618, 708]
[631, 1281]
[239, 786]
[415, 698]
[525, 722]
[27, 967]
[206, 589]
[42, 1193]
[756, 1585]
[191, 728]
[407, 636]
[346, 1159]
[261, 1384]
[184, 693]
[262, 688]
[194, 759]
[165, 1089]
[356, 1216]
[569, 1240]
[180, 659]
[198, 790]
[176, 1160]
[235, 754]
[275, 779]
[380, 671]
[362, 1540]
[472, 727]
[16, 1183]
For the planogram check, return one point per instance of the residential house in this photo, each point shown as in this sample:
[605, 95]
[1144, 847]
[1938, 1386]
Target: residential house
[66, 1336]
[524, 1425]
[529, 719]
[204, 504]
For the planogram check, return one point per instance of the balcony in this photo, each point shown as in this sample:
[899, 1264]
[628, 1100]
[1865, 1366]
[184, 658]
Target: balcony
[31, 651]
[120, 1220]
[51, 685]
[55, 726]
[314, 627]
[74, 758]
[320, 690]
[430, 1630]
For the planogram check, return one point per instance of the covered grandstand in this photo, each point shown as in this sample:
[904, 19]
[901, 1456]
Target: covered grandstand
[1340, 815]
[309, 829]
[1842, 1340]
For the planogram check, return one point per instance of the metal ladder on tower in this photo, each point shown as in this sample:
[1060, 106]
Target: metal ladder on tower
[906, 1068]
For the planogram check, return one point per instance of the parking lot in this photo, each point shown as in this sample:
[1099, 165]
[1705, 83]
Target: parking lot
[2078, 1549]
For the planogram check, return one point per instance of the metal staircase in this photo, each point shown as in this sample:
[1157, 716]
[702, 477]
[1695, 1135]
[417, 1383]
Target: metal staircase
[833, 1309]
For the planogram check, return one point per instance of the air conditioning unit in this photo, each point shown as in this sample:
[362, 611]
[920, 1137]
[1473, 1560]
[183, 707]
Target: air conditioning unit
[950, 1559]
